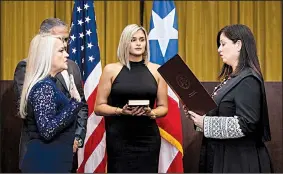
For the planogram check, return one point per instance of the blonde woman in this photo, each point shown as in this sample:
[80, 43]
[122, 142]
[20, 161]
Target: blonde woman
[49, 115]
[132, 136]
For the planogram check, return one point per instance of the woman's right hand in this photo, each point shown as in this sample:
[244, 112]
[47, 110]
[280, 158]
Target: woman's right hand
[126, 110]
[73, 89]
[186, 110]
[134, 111]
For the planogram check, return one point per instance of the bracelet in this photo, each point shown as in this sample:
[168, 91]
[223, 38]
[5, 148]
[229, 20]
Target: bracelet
[80, 141]
[116, 111]
[154, 115]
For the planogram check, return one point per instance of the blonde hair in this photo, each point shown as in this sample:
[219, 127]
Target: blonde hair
[125, 41]
[38, 65]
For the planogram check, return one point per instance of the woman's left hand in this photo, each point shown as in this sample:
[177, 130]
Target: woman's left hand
[197, 119]
[75, 146]
[138, 111]
[149, 113]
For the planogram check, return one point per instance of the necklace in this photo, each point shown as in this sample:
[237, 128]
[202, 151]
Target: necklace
[218, 87]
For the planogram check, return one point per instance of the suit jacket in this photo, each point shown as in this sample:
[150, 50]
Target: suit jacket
[61, 85]
[264, 130]
[237, 146]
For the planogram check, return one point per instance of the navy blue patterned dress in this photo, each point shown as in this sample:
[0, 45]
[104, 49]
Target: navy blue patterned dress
[51, 128]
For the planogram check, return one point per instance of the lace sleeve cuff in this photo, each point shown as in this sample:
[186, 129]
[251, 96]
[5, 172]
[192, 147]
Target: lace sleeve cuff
[222, 127]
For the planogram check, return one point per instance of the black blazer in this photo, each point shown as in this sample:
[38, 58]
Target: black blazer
[73, 68]
[264, 132]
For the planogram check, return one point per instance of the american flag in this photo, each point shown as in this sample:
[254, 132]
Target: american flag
[84, 50]
[163, 43]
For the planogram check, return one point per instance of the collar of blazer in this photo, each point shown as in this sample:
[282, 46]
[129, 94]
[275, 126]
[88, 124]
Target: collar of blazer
[231, 84]
[63, 78]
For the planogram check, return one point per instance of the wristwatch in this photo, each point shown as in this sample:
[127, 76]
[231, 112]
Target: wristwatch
[80, 141]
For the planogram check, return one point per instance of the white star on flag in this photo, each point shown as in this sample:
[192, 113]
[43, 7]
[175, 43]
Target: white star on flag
[79, 9]
[83, 60]
[86, 6]
[163, 30]
[80, 22]
[81, 35]
[74, 50]
[89, 45]
[90, 58]
[88, 32]
[73, 37]
[87, 19]
[82, 48]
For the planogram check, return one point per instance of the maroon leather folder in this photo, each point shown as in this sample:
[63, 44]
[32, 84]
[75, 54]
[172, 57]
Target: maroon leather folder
[186, 86]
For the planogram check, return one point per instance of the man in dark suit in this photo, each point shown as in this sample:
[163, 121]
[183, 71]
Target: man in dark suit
[64, 81]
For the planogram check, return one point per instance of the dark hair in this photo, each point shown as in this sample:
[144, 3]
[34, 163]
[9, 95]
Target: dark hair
[248, 54]
[49, 23]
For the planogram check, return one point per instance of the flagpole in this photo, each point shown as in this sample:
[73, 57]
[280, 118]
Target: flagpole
[55, 8]
[141, 11]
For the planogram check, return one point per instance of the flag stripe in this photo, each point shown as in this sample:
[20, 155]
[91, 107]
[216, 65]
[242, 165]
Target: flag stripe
[167, 155]
[91, 162]
[172, 94]
[170, 148]
[93, 142]
[173, 118]
[92, 80]
[171, 139]
[177, 164]
[95, 138]
[101, 168]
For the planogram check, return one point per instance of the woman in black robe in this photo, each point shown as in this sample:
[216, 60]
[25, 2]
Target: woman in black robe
[235, 131]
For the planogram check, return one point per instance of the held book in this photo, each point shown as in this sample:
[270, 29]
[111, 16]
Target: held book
[186, 86]
[138, 102]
